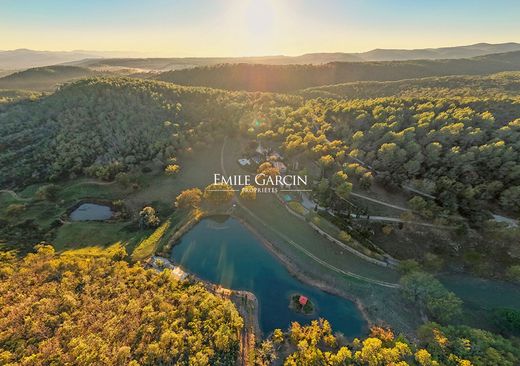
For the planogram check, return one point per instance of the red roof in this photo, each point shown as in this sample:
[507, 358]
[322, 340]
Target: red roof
[303, 300]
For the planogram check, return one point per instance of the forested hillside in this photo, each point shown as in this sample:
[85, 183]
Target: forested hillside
[284, 78]
[100, 127]
[96, 309]
[44, 78]
[464, 151]
[495, 85]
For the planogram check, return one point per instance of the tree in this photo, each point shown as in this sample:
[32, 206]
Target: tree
[218, 193]
[278, 337]
[48, 192]
[344, 189]
[366, 180]
[344, 236]
[265, 354]
[508, 321]
[424, 358]
[189, 198]
[417, 203]
[407, 266]
[148, 218]
[248, 193]
[264, 166]
[429, 294]
[326, 161]
[172, 169]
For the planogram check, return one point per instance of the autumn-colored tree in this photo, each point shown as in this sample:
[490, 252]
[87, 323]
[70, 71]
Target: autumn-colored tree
[95, 309]
[248, 193]
[172, 169]
[189, 198]
[218, 193]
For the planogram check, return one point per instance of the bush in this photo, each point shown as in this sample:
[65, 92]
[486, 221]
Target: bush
[344, 236]
[48, 192]
[297, 207]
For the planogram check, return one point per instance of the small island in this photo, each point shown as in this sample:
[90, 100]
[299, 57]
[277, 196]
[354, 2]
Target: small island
[301, 304]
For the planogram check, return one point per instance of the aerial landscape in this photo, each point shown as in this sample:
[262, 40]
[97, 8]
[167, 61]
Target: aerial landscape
[257, 182]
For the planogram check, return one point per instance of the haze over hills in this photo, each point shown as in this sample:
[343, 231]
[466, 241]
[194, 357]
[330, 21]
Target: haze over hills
[45, 78]
[474, 50]
[287, 78]
[176, 63]
[270, 77]
[24, 58]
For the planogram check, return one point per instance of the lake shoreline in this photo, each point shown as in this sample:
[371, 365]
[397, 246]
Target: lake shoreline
[293, 269]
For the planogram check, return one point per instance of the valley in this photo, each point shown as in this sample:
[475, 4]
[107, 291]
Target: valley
[391, 208]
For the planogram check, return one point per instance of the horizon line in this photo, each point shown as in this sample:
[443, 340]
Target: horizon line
[153, 54]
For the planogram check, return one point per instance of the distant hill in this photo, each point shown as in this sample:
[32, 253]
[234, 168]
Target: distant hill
[474, 50]
[504, 83]
[177, 63]
[288, 78]
[23, 58]
[44, 78]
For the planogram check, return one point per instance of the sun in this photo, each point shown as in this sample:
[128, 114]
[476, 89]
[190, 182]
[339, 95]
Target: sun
[257, 24]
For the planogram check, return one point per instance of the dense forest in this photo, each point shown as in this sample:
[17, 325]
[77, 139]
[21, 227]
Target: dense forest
[100, 127]
[94, 308]
[286, 78]
[495, 85]
[436, 346]
[464, 151]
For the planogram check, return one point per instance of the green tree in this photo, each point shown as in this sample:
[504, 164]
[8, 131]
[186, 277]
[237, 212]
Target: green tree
[430, 295]
[148, 218]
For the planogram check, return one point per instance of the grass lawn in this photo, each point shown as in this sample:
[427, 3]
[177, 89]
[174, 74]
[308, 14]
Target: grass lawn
[91, 233]
[197, 170]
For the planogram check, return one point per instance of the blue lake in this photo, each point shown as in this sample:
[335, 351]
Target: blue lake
[91, 211]
[225, 252]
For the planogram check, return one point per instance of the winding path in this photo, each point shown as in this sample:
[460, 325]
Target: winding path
[378, 201]
[395, 219]
[300, 248]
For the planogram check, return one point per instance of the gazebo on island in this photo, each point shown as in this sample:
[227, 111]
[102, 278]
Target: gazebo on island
[303, 300]
[301, 304]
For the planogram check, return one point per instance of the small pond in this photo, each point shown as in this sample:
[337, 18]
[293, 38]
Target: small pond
[225, 252]
[91, 211]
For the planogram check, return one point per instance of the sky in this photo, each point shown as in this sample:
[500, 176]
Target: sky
[253, 27]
